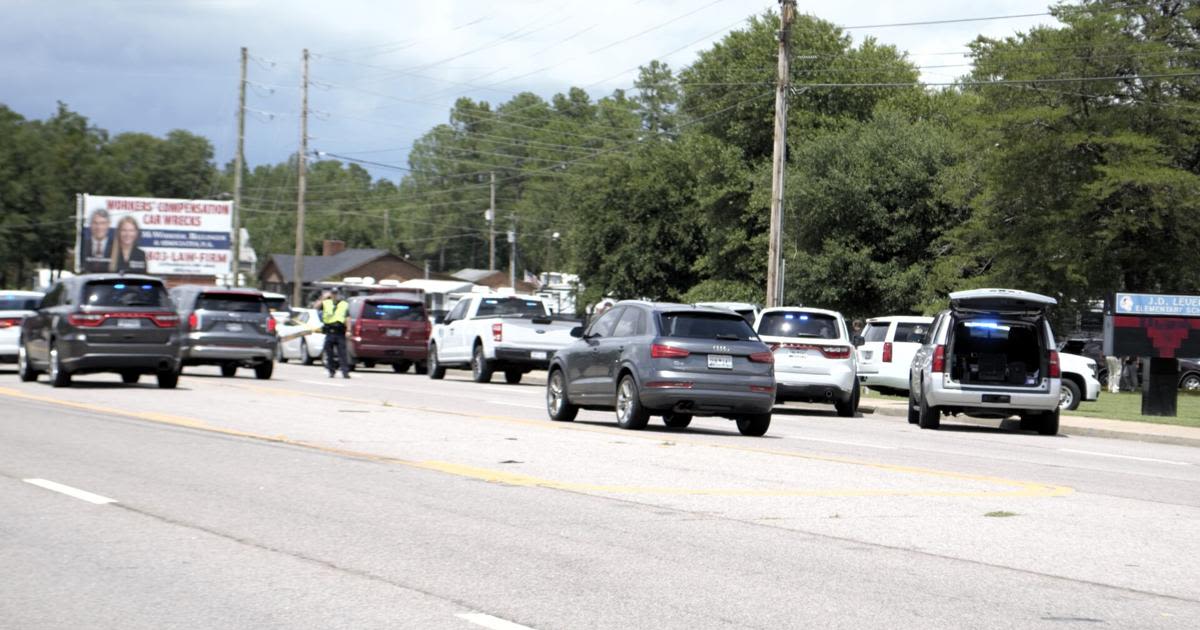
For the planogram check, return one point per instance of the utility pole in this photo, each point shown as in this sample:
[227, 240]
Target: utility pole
[512, 255]
[787, 14]
[238, 161]
[491, 217]
[298, 264]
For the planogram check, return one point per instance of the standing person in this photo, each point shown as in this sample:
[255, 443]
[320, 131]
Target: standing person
[1129, 374]
[334, 311]
[126, 255]
[856, 328]
[98, 245]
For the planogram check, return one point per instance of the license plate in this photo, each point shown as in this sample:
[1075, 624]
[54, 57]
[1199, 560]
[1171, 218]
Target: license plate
[720, 362]
[129, 323]
[232, 327]
[395, 332]
[866, 355]
[797, 354]
[538, 356]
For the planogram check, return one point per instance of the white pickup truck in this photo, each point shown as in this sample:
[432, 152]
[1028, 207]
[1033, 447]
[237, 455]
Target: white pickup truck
[513, 334]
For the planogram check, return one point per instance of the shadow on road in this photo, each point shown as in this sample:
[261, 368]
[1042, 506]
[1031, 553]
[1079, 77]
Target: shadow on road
[655, 427]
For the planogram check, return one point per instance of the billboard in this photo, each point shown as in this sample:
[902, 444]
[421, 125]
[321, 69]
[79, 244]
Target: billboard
[162, 237]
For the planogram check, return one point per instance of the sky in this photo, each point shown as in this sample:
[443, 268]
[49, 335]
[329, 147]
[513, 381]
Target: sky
[384, 73]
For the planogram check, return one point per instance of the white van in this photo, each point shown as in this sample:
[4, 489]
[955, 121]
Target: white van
[887, 352]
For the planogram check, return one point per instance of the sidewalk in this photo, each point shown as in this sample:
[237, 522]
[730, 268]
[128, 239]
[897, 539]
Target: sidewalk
[1070, 425]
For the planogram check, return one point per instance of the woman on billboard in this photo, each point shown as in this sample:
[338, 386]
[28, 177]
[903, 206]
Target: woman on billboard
[126, 255]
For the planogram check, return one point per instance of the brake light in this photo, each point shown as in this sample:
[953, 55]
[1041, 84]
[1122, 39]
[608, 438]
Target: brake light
[271, 324]
[193, 322]
[88, 320]
[1055, 368]
[887, 352]
[165, 320]
[835, 352]
[497, 332]
[669, 385]
[357, 328]
[10, 322]
[659, 351]
[762, 357]
[939, 359]
[762, 389]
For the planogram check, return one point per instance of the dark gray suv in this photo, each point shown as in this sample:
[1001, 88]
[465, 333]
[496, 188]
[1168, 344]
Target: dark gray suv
[673, 360]
[102, 323]
[231, 328]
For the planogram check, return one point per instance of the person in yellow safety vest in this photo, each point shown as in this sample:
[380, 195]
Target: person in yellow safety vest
[334, 312]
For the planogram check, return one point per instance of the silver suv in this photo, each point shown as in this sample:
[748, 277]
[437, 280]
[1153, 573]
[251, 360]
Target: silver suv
[673, 360]
[231, 328]
[991, 355]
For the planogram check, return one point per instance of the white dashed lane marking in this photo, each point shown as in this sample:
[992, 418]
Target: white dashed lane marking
[82, 495]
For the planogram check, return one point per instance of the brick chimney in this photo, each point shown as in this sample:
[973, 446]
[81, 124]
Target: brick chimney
[332, 248]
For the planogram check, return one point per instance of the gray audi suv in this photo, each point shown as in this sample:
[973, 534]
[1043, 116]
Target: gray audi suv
[673, 360]
[230, 328]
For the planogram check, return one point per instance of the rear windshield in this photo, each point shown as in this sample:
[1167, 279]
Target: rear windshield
[125, 293]
[795, 324]
[18, 303]
[911, 333]
[491, 307]
[276, 304]
[876, 332]
[231, 302]
[392, 311]
[706, 326]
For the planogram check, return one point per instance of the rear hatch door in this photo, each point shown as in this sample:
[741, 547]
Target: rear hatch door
[126, 311]
[804, 342]
[391, 322]
[1007, 302]
[719, 347]
[232, 317]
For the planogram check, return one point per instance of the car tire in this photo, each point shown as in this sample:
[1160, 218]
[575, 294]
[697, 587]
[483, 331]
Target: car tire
[481, 368]
[436, 371]
[1069, 396]
[229, 370]
[422, 368]
[368, 364]
[754, 425]
[677, 420]
[168, 380]
[59, 376]
[25, 366]
[305, 357]
[130, 378]
[630, 412]
[279, 353]
[400, 367]
[928, 417]
[1048, 423]
[513, 377]
[1190, 383]
[264, 370]
[558, 403]
[914, 411]
[850, 407]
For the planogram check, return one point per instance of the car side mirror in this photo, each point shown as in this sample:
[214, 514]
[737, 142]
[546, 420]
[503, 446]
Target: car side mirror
[577, 332]
[441, 319]
[858, 340]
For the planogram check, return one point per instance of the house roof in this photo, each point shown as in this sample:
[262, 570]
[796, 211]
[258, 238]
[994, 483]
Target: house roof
[318, 268]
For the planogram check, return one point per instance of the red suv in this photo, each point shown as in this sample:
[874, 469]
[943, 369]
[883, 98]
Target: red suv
[388, 328]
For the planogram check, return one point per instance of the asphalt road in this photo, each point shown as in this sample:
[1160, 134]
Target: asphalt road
[393, 501]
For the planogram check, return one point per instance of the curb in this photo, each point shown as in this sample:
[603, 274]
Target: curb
[1064, 429]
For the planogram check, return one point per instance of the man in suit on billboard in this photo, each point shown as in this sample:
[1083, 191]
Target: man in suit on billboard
[98, 243]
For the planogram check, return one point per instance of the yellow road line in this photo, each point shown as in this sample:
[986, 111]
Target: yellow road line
[1020, 488]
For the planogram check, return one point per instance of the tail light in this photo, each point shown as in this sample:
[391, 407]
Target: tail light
[87, 320]
[193, 322]
[835, 352]
[271, 325]
[660, 351]
[356, 328]
[1055, 368]
[165, 320]
[497, 332]
[939, 359]
[887, 352]
[762, 357]
[669, 385]
[10, 322]
[762, 389]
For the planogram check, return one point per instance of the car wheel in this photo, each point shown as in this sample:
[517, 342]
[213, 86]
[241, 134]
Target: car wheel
[481, 369]
[59, 376]
[400, 367]
[168, 380]
[630, 413]
[229, 370]
[369, 364]
[305, 357]
[422, 368]
[850, 407]
[279, 353]
[24, 367]
[558, 405]
[1191, 383]
[513, 377]
[263, 370]
[754, 425]
[436, 371]
[928, 417]
[1069, 396]
[677, 420]
[130, 378]
[1049, 423]
[914, 412]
